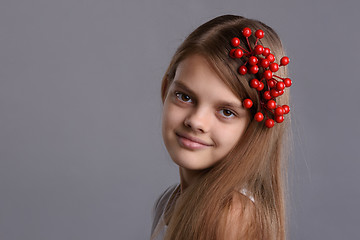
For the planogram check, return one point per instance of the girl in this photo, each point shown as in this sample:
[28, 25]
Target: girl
[217, 126]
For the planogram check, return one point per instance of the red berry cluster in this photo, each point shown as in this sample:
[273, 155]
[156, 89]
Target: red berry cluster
[261, 57]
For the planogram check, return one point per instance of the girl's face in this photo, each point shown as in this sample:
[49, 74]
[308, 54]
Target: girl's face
[202, 118]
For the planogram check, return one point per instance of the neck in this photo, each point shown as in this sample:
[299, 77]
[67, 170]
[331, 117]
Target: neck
[187, 177]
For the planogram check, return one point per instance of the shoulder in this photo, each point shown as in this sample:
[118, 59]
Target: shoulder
[238, 218]
[164, 197]
[161, 203]
[242, 205]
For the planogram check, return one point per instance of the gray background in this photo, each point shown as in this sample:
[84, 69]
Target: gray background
[81, 153]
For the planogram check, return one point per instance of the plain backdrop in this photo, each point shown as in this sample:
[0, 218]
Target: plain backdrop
[81, 152]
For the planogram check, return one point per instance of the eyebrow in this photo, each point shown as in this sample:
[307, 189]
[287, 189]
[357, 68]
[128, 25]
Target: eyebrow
[184, 87]
[181, 85]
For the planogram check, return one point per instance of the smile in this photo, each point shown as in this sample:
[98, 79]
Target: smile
[192, 144]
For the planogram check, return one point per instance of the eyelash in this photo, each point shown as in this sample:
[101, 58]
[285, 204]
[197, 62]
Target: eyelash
[231, 112]
[179, 96]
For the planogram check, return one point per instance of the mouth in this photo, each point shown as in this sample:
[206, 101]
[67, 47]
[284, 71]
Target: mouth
[191, 143]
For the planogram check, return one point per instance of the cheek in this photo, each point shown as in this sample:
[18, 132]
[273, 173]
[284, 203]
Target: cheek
[171, 116]
[228, 137]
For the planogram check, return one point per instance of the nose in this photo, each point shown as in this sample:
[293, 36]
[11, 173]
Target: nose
[198, 120]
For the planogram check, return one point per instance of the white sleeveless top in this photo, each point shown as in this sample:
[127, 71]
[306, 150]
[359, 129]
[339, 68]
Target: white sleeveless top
[159, 226]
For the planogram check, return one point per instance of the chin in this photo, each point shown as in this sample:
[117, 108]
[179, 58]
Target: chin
[190, 162]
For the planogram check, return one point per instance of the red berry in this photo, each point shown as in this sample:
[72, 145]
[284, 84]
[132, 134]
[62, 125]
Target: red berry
[235, 42]
[279, 118]
[260, 87]
[286, 109]
[274, 67]
[287, 82]
[267, 95]
[271, 57]
[243, 70]
[254, 69]
[284, 61]
[254, 83]
[232, 53]
[268, 74]
[274, 93]
[259, 117]
[247, 103]
[253, 60]
[279, 111]
[280, 86]
[259, 49]
[269, 123]
[281, 92]
[266, 52]
[259, 33]
[238, 53]
[246, 32]
[265, 63]
[271, 83]
[271, 104]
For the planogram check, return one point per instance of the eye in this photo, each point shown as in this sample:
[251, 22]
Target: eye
[227, 113]
[183, 97]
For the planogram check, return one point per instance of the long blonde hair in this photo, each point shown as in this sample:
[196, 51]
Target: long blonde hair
[256, 163]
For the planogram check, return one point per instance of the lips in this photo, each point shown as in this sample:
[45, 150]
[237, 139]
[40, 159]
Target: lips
[190, 142]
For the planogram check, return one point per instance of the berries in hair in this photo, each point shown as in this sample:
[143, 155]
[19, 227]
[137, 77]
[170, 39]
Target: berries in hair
[271, 104]
[258, 49]
[254, 83]
[279, 111]
[269, 123]
[246, 32]
[259, 117]
[243, 70]
[274, 93]
[254, 69]
[271, 83]
[268, 74]
[247, 103]
[235, 42]
[232, 53]
[286, 109]
[266, 52]
[260, 87]
[280, 86]
[265, 63]
[238, 53]
[267, 95]
[279, 118]
[284, 61]
[287, 82]
[253, 60]
[271, 57]
[259, 34]
[274, 67]
[269, 86]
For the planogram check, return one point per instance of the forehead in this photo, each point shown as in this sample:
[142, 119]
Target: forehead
[197, 74]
